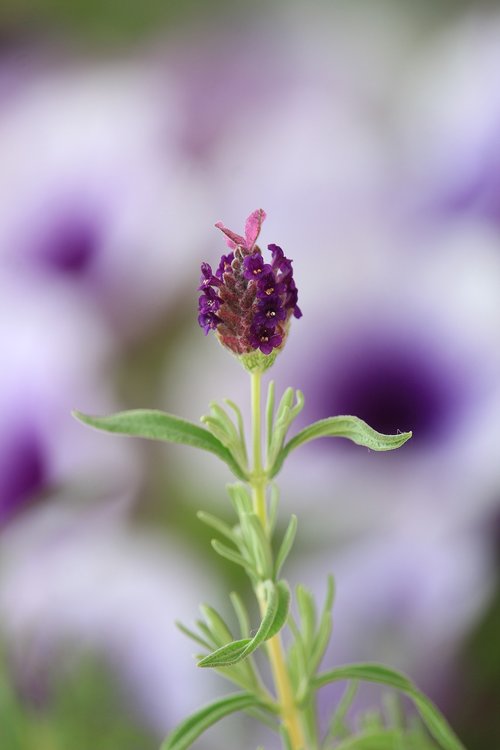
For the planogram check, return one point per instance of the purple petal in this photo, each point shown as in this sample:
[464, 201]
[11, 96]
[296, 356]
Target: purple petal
[252, 227]
[233, 238]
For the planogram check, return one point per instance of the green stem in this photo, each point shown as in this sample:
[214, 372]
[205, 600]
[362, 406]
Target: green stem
[258, 481]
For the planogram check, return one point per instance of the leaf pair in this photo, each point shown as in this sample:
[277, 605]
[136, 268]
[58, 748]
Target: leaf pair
[378, 739]
[226, 440]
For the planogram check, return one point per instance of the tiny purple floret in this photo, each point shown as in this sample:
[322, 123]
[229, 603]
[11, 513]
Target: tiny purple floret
[254, 266]
[265, 338]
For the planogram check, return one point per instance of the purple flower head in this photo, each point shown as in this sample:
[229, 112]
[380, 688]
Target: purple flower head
[248, 302]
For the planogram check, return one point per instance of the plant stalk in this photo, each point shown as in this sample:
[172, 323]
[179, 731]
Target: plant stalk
[258, 481]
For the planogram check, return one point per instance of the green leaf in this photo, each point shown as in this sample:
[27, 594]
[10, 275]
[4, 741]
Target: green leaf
[352, 428]
[338, 727]
[378, 739]
[307, 611]
[240, 498]
[241, 614]
[226, 655]
[235, 651]
[223, 428]
[194, 636]
[284, 417]
[269, 414]
[219, 629]
[257, 544]
[324, 629]
[431, 716]
[233, 556]
[216, 523]
[286, 545]
[190, 729]
[283, 609]
[158, 425]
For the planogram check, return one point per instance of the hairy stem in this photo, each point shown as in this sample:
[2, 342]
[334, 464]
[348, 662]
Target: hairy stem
[288, 709]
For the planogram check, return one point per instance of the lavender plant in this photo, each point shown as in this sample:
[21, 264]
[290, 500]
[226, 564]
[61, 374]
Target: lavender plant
[249, 303]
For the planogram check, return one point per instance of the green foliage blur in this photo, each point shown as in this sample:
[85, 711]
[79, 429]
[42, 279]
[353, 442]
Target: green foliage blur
[82, 708]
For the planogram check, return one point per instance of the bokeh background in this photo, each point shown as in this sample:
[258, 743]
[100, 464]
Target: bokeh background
[370, 133]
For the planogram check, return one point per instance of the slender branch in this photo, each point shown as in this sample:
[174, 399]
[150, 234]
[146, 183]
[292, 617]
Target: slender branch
[258, 481]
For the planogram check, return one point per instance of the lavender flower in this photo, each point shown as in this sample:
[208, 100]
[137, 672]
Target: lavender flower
[249, 302]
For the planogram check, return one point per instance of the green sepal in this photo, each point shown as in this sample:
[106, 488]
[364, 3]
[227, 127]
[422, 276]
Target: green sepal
[430, 714]
[351, 428]
[191, 728]
[278, 602]
[159, 425]
[258, 362]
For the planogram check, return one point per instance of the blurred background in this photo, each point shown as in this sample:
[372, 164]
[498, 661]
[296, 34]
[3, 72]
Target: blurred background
[370, 133]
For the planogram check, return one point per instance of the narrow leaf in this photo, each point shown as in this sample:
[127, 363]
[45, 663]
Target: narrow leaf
[219, 629]
[194, 636]
[307, 611]
[241, 614]
[286, 545]
[232, 556]
[190, 729]
[274, 498]
[352, 428]
[226, 655]
[432, 717]
[337, 726]
[282, 610]
[257, 544]
[216, 523]
[240, 498]
[377, 739]
[158, 425]
[233, 652]
[241, 427]
[269, 414]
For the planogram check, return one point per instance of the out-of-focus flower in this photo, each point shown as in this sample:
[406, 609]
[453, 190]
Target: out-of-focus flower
[449, 123]
[93, 208]
[414, 348]
[84, 580]
[55, 356]
[406, 597]
[248, 302]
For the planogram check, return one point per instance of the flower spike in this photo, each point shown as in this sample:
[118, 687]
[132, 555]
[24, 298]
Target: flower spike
[248, 302]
